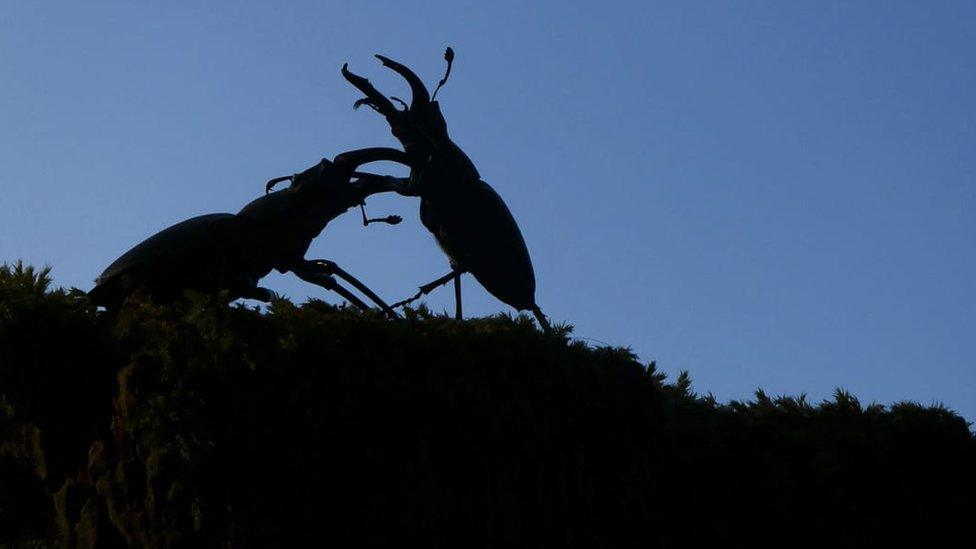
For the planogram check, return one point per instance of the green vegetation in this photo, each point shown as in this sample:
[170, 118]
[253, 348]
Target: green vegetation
[206, 425]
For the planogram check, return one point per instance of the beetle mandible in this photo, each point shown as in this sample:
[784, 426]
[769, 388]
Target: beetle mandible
[469, 220]
[232, 252]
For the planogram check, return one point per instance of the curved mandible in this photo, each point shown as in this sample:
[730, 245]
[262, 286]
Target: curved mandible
[421, 96]
[367, 183]
[270, 185]
[374, 98]
[351, 160]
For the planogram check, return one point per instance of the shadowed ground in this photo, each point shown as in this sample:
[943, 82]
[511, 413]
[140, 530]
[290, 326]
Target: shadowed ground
[204, 425]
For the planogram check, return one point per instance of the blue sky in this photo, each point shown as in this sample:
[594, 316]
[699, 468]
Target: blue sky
[767, 194]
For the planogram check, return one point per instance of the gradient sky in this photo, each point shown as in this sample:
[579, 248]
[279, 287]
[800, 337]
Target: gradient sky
[767, 194]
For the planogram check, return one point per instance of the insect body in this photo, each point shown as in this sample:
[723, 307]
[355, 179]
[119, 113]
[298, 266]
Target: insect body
[468, 218]
[228, 252]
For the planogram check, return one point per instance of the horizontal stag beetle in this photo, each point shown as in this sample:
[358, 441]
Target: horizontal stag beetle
[469, 220]
[231, 253]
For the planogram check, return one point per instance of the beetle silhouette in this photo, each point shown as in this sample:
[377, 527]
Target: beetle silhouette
[469, 220]
[228, 252]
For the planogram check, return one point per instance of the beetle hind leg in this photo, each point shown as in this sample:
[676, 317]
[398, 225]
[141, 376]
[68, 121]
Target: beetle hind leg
[541, 319]
[429, 287]
[457, 298]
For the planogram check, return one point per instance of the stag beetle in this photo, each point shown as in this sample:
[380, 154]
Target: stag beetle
[469, 220]
[231, 252]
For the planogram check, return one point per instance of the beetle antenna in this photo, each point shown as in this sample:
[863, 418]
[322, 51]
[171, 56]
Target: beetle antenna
[391, 219]
[449, 57]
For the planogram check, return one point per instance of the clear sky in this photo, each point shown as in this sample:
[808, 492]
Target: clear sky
[767, 194]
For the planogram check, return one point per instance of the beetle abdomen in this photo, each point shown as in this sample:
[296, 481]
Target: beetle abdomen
[191, 254]
[474, 226]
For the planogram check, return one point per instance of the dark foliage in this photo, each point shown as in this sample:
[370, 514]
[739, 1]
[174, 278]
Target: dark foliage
[207, 425]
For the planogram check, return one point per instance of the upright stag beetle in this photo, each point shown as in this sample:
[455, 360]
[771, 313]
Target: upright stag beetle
[231, 252]
[468, 218]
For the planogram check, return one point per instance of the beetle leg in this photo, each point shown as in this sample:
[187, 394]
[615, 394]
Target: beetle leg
[335, 269]
[541, 319]
[330, 283]
[325, 268]
[457, 297]
[427, 288]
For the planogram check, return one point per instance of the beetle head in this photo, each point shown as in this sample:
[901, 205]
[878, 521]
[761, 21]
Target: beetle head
[420, 127]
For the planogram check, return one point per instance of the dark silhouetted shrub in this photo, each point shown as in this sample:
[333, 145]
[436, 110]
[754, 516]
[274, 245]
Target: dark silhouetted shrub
[206, 425]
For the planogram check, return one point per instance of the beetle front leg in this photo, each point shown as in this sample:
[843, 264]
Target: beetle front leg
[320, 271]
[330, 283]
